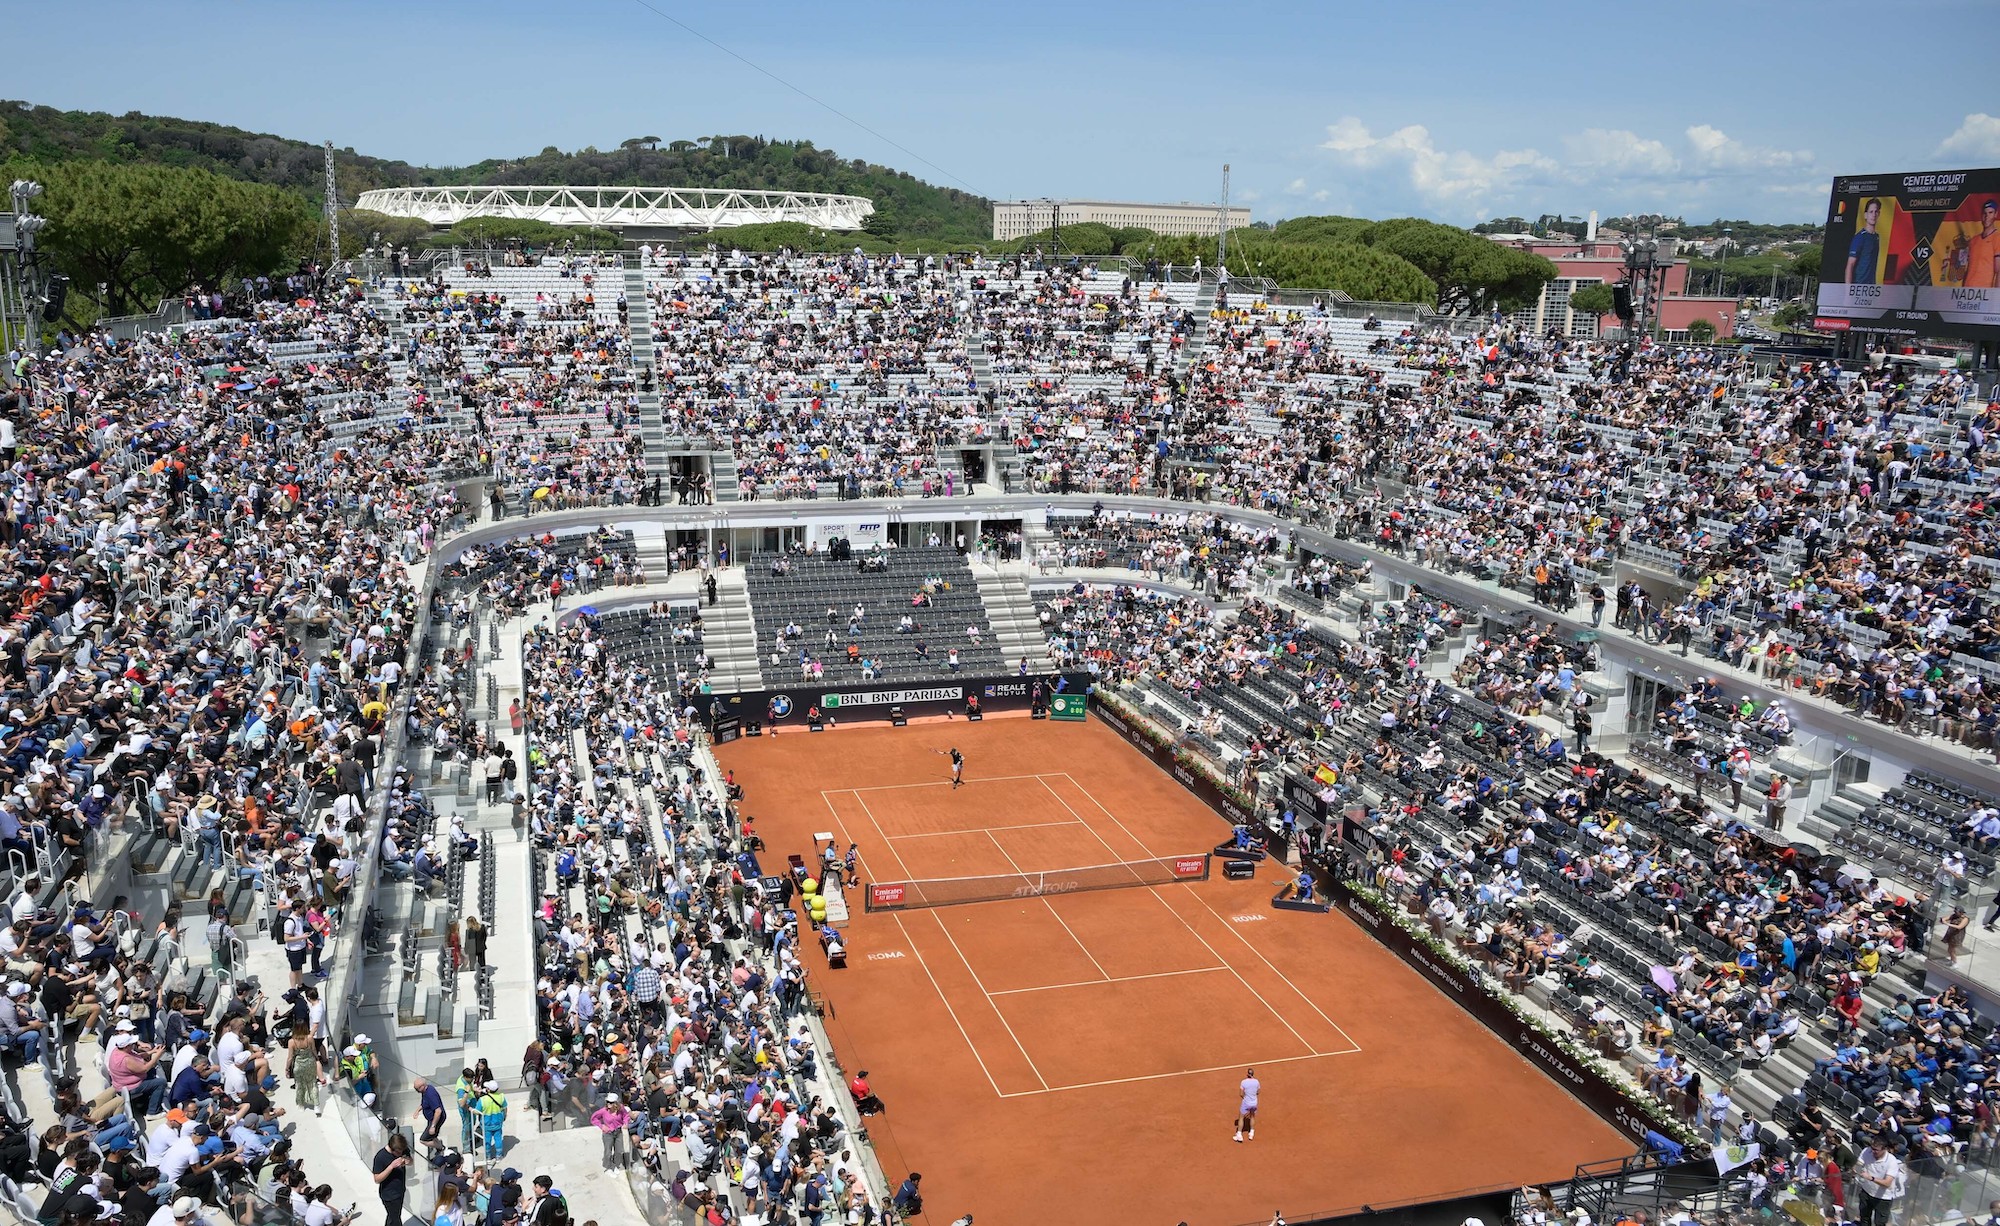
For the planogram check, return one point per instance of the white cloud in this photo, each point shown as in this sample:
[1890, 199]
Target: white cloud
[1617, 150]
[1715, 151]
[1977, 139]
[1250, 197]
[1322, 195]
[1452, 177]
[1297, 187]
[1614, 169]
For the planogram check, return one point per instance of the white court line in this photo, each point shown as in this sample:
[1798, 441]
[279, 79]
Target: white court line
[948, 1009]
[925, 963]
[1220, 1068]
[989, 1002]
[861, 859]
[937, 783]
[1092, 983]
[1154, 891]
[1212, 911]
[1051, 906]
[1072, 936]
[886, 840]
[931, 834]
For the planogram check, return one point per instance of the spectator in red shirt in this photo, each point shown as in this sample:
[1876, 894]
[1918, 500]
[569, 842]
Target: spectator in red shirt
[864, 1098]
[1848, 1006]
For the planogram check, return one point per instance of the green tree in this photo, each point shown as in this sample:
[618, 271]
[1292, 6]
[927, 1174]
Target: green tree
[146, 232]
[1472, 274]
[1362, 273]
[1701, 331]
[777, 235]
[1806, 264]
[1593, 299]
[748, 163]
[481, 232]
[359, 228]
[1080, 238]
[882, 223]
[1330, 227]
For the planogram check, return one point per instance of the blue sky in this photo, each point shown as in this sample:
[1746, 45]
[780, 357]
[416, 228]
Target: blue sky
[1447, 110]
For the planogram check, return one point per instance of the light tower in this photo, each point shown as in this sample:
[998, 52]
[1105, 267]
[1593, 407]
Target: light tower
[1222, 225]
[332, 214]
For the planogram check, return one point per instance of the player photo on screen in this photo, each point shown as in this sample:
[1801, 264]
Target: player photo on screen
[1864, 250]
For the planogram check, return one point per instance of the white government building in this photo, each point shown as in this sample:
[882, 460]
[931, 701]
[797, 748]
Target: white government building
[1019, 218]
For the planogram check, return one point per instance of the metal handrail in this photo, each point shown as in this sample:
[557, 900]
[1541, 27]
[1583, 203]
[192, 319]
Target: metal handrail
[346, 953]
[171, 312]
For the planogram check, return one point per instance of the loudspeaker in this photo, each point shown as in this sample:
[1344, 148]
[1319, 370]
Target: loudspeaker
[897, 719]
[52, 302]
[1621, 301]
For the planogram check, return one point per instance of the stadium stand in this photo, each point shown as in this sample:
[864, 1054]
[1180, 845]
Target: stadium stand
[907, 614]
[222, 630]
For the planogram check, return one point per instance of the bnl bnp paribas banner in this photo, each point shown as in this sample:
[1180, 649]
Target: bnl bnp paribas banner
[1913, 255]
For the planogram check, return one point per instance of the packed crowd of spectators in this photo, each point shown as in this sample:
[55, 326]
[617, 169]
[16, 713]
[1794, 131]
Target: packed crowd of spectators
[834, 374]
[1827, 526]
[1194, 547]
[671, 1001]
[544, 375]
[1714, 948]
[1083, 367]
[206, 605]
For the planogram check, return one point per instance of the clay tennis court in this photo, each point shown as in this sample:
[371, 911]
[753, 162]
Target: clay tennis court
[1074, 1056]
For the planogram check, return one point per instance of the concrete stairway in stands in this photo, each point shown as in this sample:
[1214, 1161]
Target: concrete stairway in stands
[1010, 614]
[730, 635]
[982, 365]
[639, 324]
[722, 475]
[655, 555]
[1204, 306]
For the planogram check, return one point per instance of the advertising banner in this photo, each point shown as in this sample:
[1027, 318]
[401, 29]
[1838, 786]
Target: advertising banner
[889, 698]
[1203, 788]
[1607, 1098]
[1913, 254]
[1305, 800]
[787, 707]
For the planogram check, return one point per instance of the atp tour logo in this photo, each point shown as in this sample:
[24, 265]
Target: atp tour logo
[780, 706]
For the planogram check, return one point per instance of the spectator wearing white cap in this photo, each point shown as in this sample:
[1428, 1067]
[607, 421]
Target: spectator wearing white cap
[613, 1120]
[19, 1027]
[180, 1211]
[491, 1108]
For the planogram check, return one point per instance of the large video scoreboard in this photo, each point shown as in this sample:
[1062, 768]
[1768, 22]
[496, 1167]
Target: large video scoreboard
[1913, 255]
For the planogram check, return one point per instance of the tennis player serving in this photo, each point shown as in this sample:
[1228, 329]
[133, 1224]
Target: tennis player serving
[957, 766]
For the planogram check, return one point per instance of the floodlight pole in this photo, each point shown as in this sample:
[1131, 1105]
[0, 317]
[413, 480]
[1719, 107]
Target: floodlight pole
[332, 216]
[1222, 225]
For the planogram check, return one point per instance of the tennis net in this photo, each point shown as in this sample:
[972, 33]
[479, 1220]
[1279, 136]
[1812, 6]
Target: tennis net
[951, 891]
